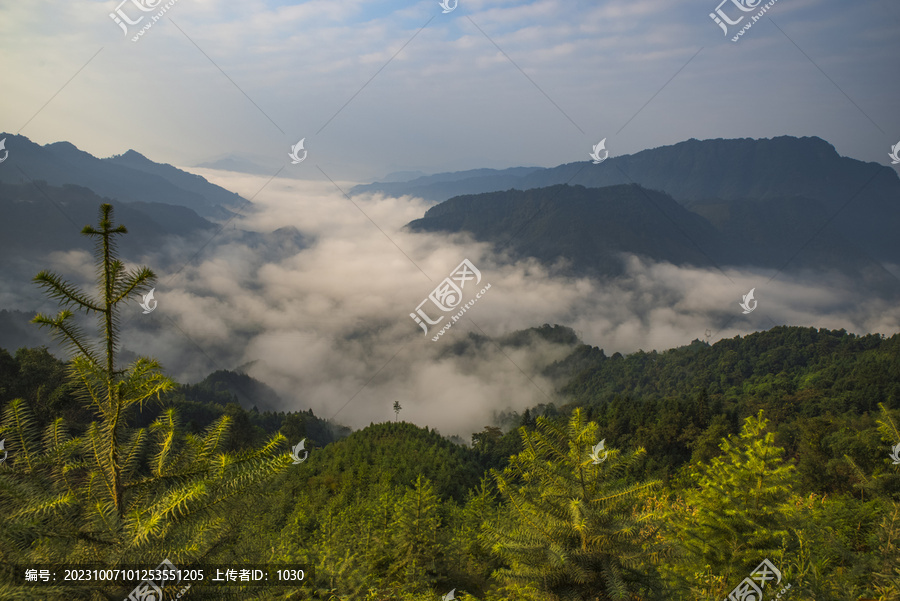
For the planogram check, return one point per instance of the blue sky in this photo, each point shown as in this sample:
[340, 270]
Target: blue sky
[214, 78]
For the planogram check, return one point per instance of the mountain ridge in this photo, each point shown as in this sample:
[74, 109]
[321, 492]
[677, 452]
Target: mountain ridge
[865, 197]
[129, 177]
[578, 231]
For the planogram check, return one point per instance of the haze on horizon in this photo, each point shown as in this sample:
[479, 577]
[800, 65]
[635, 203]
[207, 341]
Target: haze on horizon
[376, 87]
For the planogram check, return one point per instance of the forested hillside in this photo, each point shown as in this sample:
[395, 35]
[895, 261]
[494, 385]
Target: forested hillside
[815, 385]
[127, 178]
[395, 510]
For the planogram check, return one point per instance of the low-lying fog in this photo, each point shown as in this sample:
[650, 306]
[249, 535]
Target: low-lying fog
[328, 325]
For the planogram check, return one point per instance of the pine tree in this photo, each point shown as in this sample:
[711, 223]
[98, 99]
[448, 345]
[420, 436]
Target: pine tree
[573, 528]
[115, 495]
[887, 579]
[733, 515]
[470, 558]
[415, 530]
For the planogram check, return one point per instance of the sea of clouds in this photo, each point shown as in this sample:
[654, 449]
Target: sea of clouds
[326, 322]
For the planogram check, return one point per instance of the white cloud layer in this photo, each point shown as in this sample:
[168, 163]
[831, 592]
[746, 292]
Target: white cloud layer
[329, 328]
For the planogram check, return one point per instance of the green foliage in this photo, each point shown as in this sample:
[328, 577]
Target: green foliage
[494, 447]
[115, 494]
[733, 512]
[416, 525]
[819, 388]
[573, 528]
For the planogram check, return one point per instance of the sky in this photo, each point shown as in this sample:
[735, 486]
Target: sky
[375, 87]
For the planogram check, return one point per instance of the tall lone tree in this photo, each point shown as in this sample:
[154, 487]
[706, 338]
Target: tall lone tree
[115, 494]
[111, 391]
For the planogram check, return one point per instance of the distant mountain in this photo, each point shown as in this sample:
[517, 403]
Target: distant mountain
[862, 198]
[442, 186]
[769, 232]
[248, 391]
[588, 228]
[403, 176]
[239, 164]
[130, 177]
[585, 231]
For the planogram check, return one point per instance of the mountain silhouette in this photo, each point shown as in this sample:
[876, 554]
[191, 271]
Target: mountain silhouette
[861, 199]
[581, 231]
[586, 228]
[129, 177]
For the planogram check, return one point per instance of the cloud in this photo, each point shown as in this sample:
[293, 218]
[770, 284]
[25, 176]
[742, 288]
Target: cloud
[327, 325]
[252, 78]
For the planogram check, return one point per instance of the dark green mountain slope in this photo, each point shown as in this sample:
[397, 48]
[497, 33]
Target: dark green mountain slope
[806, 381]
[395, 511]
[214, 195]
[248, 391]
[438, 186]
[861, 370]
[590, 228]
[586, 227]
